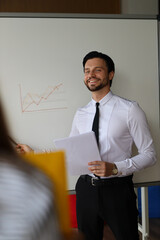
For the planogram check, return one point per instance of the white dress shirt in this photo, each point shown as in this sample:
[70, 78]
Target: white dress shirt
[121, 123]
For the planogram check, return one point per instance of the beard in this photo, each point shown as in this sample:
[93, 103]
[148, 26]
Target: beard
[100, 86]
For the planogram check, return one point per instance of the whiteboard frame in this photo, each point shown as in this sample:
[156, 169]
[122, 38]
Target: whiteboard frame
[76, 15]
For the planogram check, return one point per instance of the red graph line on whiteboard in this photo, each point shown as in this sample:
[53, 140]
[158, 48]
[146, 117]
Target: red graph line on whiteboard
[44, 97]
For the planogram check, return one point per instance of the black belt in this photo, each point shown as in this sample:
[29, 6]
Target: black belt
[94, 181]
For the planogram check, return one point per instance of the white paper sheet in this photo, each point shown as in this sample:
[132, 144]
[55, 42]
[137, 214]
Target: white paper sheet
[79, 151]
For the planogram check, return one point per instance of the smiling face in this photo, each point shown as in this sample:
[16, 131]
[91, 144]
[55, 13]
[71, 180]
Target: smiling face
[96, 76]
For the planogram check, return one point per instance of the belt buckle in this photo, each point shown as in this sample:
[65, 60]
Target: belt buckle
[92, 181]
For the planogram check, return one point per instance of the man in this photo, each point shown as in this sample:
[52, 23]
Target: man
[107, 194]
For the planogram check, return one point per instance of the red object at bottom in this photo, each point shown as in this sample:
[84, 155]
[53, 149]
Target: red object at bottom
[72, 206]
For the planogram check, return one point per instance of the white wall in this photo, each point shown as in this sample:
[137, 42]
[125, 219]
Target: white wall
[139, 7]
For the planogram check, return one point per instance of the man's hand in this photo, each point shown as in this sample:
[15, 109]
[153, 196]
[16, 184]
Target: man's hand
[100, 168]
[23, 148]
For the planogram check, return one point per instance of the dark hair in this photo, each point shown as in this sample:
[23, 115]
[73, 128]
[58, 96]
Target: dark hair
[7, 151]
[5, 144]
[94, 54]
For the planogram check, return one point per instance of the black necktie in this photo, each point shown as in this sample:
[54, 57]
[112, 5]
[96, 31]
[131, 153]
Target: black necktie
[95, 126]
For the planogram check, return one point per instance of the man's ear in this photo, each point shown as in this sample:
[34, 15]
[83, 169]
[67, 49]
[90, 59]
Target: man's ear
[111, 75]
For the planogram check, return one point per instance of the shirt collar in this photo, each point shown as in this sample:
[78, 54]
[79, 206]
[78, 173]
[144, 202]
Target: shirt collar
[105, 99]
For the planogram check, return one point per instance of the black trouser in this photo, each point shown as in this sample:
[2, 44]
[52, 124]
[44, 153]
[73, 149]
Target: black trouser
[111, 202]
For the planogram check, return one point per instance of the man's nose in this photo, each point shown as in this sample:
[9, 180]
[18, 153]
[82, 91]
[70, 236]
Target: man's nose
[91, 74]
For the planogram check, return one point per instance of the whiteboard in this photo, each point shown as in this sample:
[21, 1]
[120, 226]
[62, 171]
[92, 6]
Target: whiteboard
[41, 75]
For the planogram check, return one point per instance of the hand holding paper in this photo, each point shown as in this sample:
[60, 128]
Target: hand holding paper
[101, 168]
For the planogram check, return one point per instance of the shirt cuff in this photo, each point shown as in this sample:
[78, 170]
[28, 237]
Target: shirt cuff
[121, 166]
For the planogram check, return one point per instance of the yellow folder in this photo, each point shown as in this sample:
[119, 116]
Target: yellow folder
[53, 165]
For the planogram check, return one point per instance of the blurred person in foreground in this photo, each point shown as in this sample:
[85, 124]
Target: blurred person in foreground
[27, 210]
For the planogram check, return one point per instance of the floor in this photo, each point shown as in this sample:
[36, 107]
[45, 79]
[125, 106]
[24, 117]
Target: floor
[154, 229]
